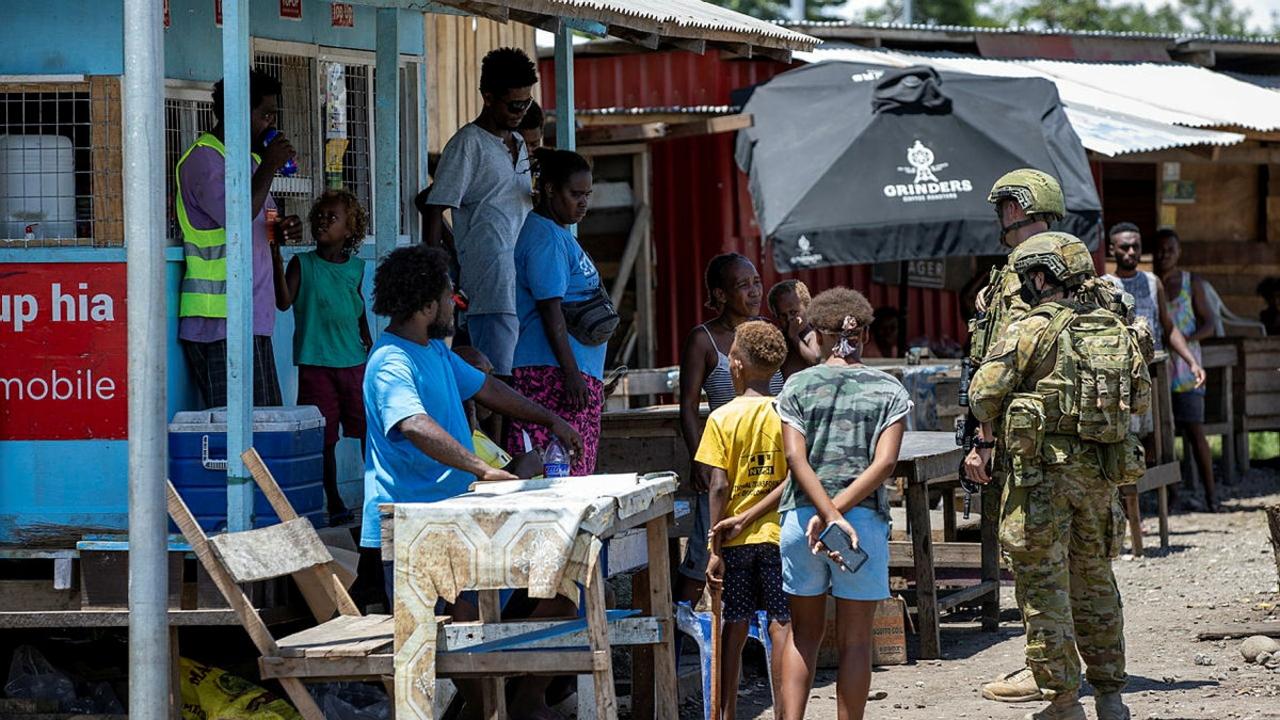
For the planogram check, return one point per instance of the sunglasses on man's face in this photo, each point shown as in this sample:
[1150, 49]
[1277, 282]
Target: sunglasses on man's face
[516, 107]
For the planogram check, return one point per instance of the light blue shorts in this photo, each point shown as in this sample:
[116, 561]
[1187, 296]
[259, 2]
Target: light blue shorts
[807, 575]
[495, 335]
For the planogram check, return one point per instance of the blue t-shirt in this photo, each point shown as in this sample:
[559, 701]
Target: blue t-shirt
[403, 379]
[551, 264]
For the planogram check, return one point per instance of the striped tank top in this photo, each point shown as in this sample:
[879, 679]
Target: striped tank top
[1183, 313]
[718, 385]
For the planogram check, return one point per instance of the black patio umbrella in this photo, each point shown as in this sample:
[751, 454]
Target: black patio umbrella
[852, 163]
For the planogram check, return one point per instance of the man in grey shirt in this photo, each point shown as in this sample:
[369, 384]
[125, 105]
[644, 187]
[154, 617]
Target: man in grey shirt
[484, 177]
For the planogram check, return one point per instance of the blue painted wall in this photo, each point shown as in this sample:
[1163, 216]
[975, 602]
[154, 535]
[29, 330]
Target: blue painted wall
[54, 490]
[62, 37]
[79, 37]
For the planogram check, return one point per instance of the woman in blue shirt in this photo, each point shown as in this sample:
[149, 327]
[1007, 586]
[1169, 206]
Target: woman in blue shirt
[551, 366]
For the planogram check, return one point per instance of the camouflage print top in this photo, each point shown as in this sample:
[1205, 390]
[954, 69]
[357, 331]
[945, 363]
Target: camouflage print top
[1004, 303]
[841, 411]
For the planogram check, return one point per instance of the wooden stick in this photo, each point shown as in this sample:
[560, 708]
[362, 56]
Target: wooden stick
[1273, 522]
[716, 591]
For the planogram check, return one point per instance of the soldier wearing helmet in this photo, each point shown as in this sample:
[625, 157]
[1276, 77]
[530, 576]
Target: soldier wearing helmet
[1063, 382]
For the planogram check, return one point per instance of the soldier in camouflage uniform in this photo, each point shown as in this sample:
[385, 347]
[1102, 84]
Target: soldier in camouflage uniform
[1063, 381]
[1026, 201]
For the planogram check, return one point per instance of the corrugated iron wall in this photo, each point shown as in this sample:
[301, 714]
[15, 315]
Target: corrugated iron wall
[701, 206]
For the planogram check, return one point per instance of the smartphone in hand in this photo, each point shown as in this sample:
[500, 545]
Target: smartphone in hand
[838, 540]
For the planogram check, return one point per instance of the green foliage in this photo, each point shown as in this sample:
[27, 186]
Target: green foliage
[1206, 17]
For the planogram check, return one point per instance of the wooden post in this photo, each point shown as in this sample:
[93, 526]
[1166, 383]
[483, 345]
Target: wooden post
[926, 589]
[493, 696]
[1134, 514]
[1273, 521]
[991, 555]
[598, 637]
[658, 604]
[641, 655]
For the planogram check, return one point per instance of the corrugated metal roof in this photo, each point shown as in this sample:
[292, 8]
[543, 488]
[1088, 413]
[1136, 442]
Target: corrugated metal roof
[816, 26]
[661, 110]
[1107, 121]
[679, 19]
[1271, 82]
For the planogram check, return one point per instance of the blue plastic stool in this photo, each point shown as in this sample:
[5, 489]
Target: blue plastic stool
[698, 626]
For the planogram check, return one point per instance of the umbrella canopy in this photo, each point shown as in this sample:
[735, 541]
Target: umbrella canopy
[850, 163]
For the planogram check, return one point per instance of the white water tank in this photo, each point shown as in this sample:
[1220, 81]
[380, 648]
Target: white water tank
[37, 185]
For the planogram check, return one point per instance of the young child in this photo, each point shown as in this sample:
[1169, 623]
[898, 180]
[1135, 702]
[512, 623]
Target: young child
[331, 332]
[842, 425]
[742, 444]
[789, 301]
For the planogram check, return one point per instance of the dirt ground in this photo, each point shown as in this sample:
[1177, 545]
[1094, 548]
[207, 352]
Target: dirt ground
[1219, 569]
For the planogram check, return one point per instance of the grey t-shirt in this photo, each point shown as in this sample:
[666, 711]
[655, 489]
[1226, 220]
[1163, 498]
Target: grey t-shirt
[490, 196]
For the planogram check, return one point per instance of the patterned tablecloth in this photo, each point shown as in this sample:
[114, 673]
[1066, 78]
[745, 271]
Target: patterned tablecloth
[543, 535]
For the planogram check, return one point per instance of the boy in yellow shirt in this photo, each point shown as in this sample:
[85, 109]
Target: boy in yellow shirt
[742, 444]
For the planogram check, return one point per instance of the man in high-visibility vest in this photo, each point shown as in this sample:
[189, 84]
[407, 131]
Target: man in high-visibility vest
[200, 206]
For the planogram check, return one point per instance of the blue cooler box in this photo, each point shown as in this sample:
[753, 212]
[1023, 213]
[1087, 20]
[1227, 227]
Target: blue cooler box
[290, 441]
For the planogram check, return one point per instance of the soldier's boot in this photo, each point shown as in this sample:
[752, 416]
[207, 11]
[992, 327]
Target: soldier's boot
[1063, 707]
[1016, 687]
[1110, 707]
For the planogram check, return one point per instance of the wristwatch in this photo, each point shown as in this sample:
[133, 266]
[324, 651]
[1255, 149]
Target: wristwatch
[985, 444]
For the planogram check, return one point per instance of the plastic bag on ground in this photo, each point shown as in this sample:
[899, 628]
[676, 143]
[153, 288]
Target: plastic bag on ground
[32, 677]
[210, 693]
[352, 701]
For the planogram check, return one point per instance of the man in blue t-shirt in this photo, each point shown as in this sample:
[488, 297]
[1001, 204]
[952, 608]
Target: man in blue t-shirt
[419, 444]
[419, 447]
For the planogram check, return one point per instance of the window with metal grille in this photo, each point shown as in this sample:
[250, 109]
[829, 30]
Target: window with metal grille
[298, 111]
[185, 117]
[60, 163]
[357, 161]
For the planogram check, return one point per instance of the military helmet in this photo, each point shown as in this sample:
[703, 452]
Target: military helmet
[1038, 193]
[1062, 255]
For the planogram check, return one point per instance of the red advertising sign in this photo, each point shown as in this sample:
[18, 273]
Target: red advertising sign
[62, 327]
[342, 15]
[291, 9]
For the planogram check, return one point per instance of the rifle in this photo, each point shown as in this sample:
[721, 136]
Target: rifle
[966, 433]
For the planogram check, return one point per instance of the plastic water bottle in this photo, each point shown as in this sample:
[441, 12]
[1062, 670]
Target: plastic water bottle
[291, 165]
[555, 460]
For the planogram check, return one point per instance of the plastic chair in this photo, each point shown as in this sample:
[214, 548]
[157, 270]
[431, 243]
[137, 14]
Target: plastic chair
[698, 626]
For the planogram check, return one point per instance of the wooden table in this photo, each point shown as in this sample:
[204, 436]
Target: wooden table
[932, 460]
[650, 439]
[555, 647]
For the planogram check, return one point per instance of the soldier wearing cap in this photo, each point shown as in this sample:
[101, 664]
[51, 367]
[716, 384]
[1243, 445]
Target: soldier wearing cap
[1063, 381]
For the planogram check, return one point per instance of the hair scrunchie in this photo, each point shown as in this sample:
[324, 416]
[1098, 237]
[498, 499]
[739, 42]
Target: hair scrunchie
[848, 331]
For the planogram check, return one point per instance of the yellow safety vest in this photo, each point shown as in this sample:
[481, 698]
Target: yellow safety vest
[204, 283]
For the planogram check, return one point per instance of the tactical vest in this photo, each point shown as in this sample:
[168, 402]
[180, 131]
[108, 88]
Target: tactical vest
[204, 282]
[1091, 390]
[1004, 307]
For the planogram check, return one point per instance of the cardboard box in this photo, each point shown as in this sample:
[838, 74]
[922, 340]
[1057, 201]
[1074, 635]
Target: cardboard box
[888, 632]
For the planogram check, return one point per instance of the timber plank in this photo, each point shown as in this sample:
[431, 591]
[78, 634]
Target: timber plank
[1219, 632]
[261, 554]
[344, 636]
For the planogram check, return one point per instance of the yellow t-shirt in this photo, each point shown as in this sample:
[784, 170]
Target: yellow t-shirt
[488, 451]
[744, 438]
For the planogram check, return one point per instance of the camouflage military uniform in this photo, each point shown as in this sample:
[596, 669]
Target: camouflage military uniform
[1061, 523]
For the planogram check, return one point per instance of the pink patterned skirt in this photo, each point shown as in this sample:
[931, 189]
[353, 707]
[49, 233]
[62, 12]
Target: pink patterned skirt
[544, 384]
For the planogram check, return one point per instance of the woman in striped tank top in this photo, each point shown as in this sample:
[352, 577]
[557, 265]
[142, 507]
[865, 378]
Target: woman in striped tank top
[1189, 309]
[734, 291]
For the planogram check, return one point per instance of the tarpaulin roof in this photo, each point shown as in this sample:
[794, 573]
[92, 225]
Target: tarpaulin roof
[1108, 117]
